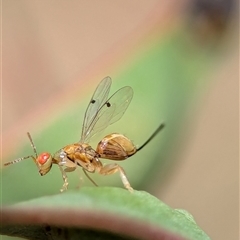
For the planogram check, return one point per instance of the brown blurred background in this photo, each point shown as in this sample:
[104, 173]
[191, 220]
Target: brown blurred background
[50, 49]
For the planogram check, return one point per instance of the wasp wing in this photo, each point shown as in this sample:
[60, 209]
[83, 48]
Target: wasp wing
[109, 112]
[99, 97]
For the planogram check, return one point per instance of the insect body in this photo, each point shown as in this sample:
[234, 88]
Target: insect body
[101, 112]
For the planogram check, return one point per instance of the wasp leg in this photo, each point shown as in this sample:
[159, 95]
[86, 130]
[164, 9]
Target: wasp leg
[65, 180]
[89, 177]
[69, 169]
[111, 169]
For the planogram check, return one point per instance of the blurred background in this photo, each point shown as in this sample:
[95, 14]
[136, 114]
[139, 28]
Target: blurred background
[182, 60]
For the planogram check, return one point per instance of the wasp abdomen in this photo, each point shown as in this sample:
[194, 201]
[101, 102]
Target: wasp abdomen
[115, 146]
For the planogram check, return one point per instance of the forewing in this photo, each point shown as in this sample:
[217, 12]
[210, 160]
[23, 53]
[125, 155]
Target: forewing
[98, 99]
[110, 112]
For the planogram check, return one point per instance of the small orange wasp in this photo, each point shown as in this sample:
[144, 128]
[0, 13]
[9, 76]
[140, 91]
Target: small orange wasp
[101, 112]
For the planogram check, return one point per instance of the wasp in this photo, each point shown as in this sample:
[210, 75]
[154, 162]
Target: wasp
[101, 112]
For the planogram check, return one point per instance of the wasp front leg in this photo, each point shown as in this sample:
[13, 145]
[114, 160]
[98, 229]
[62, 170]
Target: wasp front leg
[65, 180]
[113, 168]
[69, 167]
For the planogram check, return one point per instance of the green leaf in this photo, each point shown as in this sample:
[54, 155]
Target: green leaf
[102, 213]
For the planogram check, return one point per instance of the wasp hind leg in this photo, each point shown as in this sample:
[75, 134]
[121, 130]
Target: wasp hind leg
[113, 168]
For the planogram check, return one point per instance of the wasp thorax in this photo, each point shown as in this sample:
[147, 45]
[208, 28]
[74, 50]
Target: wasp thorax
[44, 162]
[116, 147]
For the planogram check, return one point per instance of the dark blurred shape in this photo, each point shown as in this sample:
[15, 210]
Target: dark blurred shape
[209, 19]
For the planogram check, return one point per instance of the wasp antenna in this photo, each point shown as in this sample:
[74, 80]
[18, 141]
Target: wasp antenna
[161, 126]
[32, 144]
[17, 160]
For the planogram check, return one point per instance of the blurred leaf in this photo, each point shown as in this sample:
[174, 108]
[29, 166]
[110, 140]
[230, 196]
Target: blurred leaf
[103, 212]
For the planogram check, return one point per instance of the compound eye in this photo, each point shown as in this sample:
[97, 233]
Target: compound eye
[43, 158]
